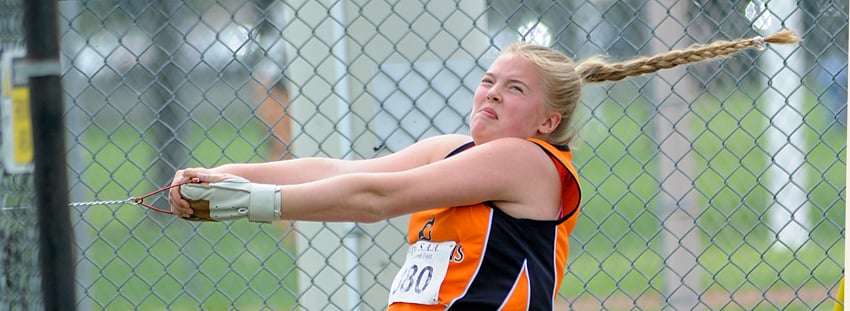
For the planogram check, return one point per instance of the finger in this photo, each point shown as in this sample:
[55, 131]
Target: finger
[183, 207]
[191, 174]
[172, 205]
[174, 193]
[176, 202]
[180, 207]
[206, 176]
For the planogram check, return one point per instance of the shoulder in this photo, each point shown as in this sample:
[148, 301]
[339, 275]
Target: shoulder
[515, 174]
[511, 146]
[447, 140]
[423, 152]
[438, 147]
[516, 155]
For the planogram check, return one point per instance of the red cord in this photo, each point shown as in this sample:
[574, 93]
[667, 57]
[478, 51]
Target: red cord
[140, 200]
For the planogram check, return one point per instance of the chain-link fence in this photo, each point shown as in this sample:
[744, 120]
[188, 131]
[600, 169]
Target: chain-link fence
[19, 276]
[717, 186]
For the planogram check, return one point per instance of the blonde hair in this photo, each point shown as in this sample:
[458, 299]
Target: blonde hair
[563, 79]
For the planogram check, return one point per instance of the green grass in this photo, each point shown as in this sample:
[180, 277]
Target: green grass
[616, 246]
[632, 272]
[141, 259]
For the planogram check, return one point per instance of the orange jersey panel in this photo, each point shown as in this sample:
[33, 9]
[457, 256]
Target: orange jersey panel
[501, 261]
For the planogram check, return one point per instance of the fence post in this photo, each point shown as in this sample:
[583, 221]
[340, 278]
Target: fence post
[51, 183]
[673, 90]
[783, 101]
[325, 266]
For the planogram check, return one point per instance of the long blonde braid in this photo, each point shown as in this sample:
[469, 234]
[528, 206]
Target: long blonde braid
[564, 79]
[595, 70]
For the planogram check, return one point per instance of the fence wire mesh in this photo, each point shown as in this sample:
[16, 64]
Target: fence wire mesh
[19, 275]
[719, 186]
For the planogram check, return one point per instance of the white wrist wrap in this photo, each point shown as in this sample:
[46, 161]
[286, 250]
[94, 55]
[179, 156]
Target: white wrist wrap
[232, 199]
[264, 204]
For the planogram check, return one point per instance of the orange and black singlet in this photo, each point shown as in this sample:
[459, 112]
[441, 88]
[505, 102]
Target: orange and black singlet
[479, 258]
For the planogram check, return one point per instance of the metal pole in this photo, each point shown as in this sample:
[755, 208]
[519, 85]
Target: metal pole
[51, 185]
[673, 90]
[783, 105]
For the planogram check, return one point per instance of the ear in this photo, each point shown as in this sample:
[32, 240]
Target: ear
[553, 119]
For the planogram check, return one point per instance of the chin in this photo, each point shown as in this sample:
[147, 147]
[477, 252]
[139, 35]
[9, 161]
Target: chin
[476, 136]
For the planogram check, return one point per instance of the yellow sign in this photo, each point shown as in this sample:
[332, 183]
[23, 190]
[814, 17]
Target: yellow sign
[22, 139]
[15, 116]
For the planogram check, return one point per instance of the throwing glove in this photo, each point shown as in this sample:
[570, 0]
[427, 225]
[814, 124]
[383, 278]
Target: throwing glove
[232, 199]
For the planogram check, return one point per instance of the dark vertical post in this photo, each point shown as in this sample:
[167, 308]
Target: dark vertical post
[51, 185]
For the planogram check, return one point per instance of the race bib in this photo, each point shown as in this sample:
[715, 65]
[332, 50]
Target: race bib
[419, 279]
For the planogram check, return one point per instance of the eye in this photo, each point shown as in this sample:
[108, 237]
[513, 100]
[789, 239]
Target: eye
[487, 81]
[516, 88]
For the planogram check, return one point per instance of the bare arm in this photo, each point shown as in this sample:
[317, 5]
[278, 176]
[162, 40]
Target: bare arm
[297, 171]
[286, 172]
[515, 174]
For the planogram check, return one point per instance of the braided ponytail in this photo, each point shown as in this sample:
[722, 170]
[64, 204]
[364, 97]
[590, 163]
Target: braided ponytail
[595, 70]
[563, 79]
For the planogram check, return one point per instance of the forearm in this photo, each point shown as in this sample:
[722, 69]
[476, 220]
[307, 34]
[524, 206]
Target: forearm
[286, 172]
[234, 191]
[353, 197]
[341, 198]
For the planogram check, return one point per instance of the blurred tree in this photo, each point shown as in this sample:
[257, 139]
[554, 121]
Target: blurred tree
[269, 74]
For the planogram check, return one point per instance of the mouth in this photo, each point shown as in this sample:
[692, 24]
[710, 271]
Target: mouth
[488, 112]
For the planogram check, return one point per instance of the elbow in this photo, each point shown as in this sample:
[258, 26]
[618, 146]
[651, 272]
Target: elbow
[373, 213]
[371, 218]
[375, 208]
[375, 199]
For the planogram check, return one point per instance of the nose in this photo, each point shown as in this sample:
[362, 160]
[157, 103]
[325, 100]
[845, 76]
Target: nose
[493, 95]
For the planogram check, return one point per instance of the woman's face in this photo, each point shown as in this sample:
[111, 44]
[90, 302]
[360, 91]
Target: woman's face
[509, 102]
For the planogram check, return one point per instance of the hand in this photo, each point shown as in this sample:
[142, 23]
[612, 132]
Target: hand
[232, 198]
[179, 206]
